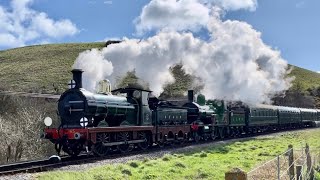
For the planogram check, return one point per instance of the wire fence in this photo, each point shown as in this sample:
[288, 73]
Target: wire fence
[293, 164]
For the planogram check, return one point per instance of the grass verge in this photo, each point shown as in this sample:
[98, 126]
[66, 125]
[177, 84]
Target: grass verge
[206, 163]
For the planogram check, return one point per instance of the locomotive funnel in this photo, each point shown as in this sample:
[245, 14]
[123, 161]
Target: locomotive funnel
[77, 77]
[190, 96]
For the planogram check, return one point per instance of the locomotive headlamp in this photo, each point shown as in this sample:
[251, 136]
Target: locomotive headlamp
[48, 121]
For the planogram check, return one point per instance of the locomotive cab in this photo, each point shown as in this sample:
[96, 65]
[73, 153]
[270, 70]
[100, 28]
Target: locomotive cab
[140, 98]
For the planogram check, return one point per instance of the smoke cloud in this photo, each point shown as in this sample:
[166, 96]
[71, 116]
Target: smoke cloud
[95, 67]
[234, 64]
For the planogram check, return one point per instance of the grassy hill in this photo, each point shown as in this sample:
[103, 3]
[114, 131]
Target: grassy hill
[42, 68]
[306, 78]
[46, 68]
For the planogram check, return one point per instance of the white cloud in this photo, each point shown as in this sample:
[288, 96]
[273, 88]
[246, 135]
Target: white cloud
[53, 28]
[185, 14]
[233, 5]
[20, 25]
[92, 2]
[111, 39]
[172, 15]
[107, 2]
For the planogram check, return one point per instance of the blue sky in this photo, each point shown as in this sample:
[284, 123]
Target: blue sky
[291, 26]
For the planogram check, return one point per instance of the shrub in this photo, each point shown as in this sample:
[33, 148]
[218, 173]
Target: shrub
[21, 122]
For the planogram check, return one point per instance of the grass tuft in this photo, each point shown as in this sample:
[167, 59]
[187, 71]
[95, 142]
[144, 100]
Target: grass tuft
[126, 172]
[180, 165]
[134, 164]
[264, 154]
[167, 157]
[203, 154]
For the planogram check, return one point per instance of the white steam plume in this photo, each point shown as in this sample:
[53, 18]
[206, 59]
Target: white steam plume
[234, 64]
[95, 67]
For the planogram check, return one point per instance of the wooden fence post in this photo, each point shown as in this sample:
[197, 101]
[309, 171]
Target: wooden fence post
[291, 160]
[299, 169]
[236, 174]
[309, 162]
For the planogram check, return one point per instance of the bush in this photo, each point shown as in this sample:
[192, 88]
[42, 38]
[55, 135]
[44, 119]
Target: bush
[21, 122]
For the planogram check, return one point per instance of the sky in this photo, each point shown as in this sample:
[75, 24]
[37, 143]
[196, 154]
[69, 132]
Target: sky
[289, 26]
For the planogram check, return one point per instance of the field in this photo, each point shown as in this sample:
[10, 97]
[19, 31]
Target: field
[46, 68]
[210, 162]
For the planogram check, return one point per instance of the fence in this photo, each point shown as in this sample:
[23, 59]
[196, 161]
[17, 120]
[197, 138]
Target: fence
[293, 164]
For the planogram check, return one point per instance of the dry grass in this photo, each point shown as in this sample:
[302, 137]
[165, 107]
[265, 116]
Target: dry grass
[21, 122]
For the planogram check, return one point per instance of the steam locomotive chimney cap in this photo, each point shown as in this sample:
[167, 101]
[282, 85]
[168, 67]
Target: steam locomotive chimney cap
[76, 70]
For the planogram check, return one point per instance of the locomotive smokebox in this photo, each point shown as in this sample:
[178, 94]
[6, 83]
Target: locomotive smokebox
[190, 96]
[77, 77]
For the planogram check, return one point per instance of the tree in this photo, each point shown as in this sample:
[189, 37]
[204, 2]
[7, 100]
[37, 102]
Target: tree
[183, 82]
[296, 97]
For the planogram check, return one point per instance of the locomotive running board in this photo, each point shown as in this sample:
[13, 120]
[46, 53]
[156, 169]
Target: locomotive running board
[123, 142]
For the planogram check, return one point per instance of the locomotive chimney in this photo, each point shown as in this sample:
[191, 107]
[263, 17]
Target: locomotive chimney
[190, 96]
[77, 77]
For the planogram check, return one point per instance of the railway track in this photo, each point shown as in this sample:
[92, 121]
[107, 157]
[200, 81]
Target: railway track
[49, 164]
[30, 166]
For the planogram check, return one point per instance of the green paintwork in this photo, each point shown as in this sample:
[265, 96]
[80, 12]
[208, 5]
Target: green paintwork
[288, 115]
[221, 115]
[308, 115]
[262, 117]
[169, 115]
[237, 118]
[116, 109]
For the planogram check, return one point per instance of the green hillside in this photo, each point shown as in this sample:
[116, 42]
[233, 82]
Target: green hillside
[306, 78]
[46, 68]
[42, 68]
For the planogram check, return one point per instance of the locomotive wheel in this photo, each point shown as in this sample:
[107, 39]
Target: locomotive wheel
[160, 144]
[123, 148]
[143, 136]
[98, 148]
[74, 152]
[221, 133]
[213, 135]
[181, 142]
[70, 147]
[180, 138]
[196, 137]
